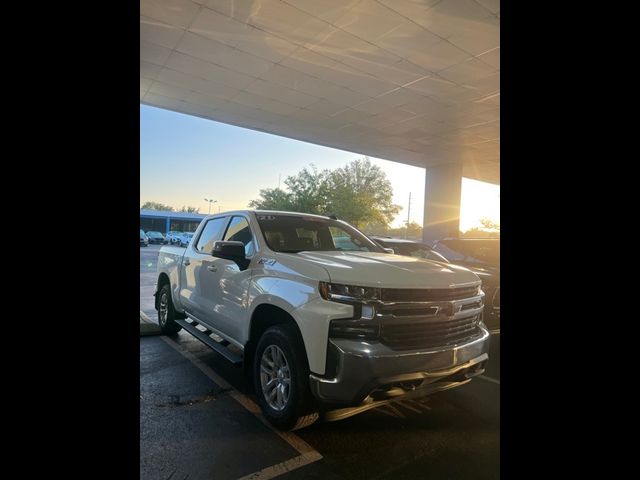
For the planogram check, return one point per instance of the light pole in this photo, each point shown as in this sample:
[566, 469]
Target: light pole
[210, 201]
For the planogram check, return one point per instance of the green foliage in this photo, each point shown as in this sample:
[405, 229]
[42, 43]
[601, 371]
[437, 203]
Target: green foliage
[476, 232]
[358, 193]
[189, 210]
[413, 231]
[489, 224]
[361, 193]
[489, 229]
[156, 206]
[273, 199]
[307, 193]
[309, 190]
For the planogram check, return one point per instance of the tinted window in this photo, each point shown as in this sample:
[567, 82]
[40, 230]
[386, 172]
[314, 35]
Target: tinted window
[239, 231]
[292, 233]
[211, 232]
[482, 251]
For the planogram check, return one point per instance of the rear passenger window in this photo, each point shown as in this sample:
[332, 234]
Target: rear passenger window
[239, 231]
[212, 232]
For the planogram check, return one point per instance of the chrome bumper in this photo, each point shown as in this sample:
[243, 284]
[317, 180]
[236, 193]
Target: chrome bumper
[366, 371]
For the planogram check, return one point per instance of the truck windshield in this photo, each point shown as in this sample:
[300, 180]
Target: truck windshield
[297, 233]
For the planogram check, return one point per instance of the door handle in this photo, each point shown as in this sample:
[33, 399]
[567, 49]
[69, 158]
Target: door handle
[186, 262]
[212, 268]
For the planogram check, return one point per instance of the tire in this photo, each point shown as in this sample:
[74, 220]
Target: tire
[294, 407]
[166, 312]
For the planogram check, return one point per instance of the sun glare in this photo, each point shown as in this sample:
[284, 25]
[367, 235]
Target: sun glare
[479, 200]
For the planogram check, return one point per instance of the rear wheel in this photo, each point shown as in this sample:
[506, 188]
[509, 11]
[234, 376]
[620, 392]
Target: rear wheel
[166, 312]
[281, 379]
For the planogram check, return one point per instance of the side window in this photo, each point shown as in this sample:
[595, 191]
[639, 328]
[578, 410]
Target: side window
[239, 231]
[211, 232]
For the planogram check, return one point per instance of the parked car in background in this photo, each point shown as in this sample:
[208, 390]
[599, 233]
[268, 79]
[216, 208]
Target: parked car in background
[156, 238]
[482, 257]
[410, 248]
[144, 240]
[173, 237]
[185, 238]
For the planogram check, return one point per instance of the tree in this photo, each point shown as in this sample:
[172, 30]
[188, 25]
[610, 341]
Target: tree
[156, 206]
[307, 193]
[488, 224]
[360, 193]
[273, 199]
[412, 231]
[189, 209]
[309, 190]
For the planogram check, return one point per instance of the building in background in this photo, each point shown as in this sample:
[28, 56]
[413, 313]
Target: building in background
[165, 221]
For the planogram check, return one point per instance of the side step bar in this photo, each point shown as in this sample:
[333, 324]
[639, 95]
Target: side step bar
[210, 342]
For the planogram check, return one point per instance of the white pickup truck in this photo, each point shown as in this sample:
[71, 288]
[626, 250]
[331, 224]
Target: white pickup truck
[326, 322]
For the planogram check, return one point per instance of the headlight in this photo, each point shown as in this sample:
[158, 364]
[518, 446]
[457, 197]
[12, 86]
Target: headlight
[348, 293]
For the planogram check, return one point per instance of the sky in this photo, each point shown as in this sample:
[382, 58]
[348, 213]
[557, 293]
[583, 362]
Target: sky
[185, 159]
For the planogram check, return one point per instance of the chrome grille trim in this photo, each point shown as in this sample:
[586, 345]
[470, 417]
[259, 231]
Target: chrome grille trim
[430, 323]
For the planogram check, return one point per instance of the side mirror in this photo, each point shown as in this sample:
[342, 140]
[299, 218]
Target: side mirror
[389, 250]
[231, 250]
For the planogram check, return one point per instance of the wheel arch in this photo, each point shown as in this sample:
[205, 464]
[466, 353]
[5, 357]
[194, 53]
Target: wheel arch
[163, 279]
[263, 317]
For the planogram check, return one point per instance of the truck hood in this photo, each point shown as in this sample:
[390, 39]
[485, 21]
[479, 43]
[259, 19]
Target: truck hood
[386, 270]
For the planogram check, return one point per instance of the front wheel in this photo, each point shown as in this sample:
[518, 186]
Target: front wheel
[166, 312]
[281, 379]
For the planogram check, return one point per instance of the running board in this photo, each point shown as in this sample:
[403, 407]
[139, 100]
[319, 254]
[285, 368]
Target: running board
[210, 342]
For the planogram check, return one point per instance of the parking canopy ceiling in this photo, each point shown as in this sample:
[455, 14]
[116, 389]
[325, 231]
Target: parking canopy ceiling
[412, 81]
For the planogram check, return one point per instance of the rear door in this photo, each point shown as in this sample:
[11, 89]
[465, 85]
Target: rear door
[195, 273]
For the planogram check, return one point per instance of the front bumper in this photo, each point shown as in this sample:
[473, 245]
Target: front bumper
[366, 371]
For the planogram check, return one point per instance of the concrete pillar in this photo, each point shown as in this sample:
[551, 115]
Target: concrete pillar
[443, 184]
[167, 225]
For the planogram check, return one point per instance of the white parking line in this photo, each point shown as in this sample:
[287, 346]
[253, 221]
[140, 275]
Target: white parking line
[308, 454]
[489, 379]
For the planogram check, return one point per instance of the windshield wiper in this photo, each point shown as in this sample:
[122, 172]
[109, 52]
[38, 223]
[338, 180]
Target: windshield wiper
[290, 251]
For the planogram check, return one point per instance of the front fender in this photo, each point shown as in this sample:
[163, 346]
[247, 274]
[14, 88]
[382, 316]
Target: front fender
[311, 313]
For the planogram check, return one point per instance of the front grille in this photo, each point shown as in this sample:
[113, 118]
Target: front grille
[428, 334]
[426, 294]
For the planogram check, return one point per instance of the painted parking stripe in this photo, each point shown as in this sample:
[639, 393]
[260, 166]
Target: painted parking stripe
[420, 404]
[489, 379]
[308, 454]
[395, 410]
[382, 409]
[284, 467]
[406, 405]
